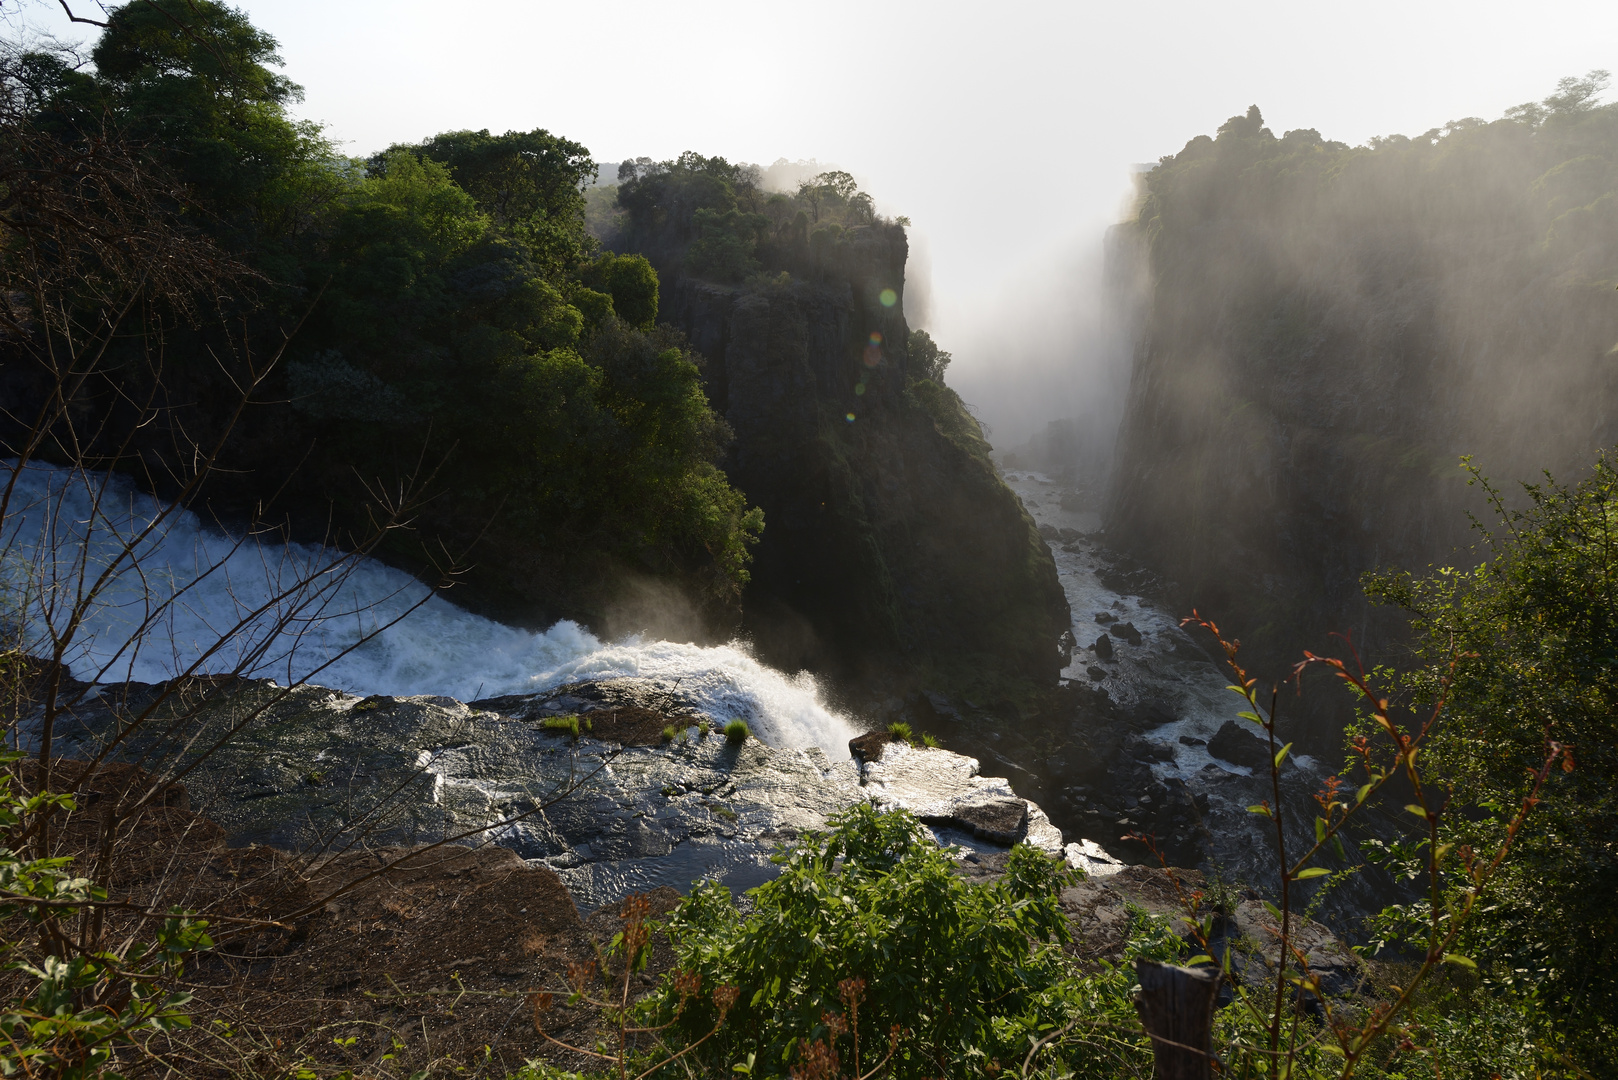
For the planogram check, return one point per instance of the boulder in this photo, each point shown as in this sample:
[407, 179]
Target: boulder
[1333, 963]
[1236, 745]
[998, 821]
[1103, 647]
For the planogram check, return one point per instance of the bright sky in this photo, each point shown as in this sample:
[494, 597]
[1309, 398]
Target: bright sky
[1003, 130]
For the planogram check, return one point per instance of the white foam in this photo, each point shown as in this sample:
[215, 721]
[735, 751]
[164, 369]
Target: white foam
[212, 581]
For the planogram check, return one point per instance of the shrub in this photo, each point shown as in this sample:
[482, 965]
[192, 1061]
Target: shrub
[1534, 635]
[565, 725]
[899, 731]
[869, 932]
[737, 732]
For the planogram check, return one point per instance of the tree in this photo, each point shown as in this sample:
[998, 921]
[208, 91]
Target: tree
[1536, 630]
[926, 359]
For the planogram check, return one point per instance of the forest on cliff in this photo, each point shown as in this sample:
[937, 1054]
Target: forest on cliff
[443, 321]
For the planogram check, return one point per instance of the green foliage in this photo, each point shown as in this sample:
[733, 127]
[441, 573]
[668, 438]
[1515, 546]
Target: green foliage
[452, 312]
[949, 414]
[927, 360]
[900, 731]
[967, 972]
[1535, 632]
[725, 243]
[736, 732]
[72, 1011]
[632, 284]
[563, 725]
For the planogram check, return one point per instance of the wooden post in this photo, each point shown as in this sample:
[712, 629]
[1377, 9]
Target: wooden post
[1176, 1006]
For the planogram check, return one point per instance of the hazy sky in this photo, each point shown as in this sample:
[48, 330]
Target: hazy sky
[1004, 130]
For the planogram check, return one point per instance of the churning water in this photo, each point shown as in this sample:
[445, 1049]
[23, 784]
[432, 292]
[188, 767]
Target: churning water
[176, 589]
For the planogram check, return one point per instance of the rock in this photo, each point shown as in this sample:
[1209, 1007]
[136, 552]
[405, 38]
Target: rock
[1069, 536]
[1090, 858]
[1095, 673]
[1234, 744]
[1187, 740]
[937, 785]
[1097, 908]
[869, 747]
[999, 821]
[1105, 617]
[1049, 532]
[1333, 962]
[608, 818]
[1103, 647]
[1127, 631]
[940, 705]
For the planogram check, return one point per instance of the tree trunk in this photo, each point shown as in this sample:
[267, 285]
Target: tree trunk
[1176, 1006]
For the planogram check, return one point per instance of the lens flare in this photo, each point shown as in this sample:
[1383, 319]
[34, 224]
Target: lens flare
[850, 418]
[859, 389]
[876, 339]
[889, 298]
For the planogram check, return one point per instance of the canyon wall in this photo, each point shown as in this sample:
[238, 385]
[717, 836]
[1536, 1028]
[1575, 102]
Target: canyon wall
[1332, 328]
[890, 542]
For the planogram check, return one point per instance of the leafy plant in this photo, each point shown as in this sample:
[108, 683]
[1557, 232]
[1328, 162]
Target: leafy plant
[71, 1009]
[869, 930]
[1535, 630]
[562, 725]
[736, 732]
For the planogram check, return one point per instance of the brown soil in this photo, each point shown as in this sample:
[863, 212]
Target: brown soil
[427, 954]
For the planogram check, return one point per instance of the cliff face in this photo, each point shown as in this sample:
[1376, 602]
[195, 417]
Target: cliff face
[1330, 329]
[889, 538]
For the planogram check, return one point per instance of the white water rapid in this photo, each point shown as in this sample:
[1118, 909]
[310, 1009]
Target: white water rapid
[189, 585]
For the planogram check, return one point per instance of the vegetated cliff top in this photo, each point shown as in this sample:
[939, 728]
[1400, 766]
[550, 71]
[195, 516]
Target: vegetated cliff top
[448, 326]
[1332, 327]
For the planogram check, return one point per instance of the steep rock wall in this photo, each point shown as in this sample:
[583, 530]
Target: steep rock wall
[1331, 329]
[889, 538]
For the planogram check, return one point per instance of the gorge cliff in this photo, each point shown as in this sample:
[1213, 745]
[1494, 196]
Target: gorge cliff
[1331, 328]
[890, 542]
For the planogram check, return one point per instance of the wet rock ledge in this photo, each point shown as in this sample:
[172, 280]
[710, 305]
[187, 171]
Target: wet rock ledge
[616, 808]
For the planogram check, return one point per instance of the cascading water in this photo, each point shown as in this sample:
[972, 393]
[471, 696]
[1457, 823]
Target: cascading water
[314, 614]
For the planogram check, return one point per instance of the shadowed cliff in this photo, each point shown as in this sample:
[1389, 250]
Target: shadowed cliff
[889, 538]
[1331, 328]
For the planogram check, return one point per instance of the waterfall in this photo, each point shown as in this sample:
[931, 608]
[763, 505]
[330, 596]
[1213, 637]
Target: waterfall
[356, 624]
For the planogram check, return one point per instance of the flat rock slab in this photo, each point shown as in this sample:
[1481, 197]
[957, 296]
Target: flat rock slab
[937, 785]
[1097, 909]
[999, 821]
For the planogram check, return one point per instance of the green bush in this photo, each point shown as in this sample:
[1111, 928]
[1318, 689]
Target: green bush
[72, 1010]
[563, 725]
[1534, 634]
[869, 927]
[737, 732]
[899, 731]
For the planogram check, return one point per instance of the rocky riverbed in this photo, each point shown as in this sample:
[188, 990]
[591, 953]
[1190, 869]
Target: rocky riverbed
[619, 786]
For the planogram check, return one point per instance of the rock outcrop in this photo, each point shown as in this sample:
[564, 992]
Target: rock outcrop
[1329, 329]
[554, 777]
[890, 542]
